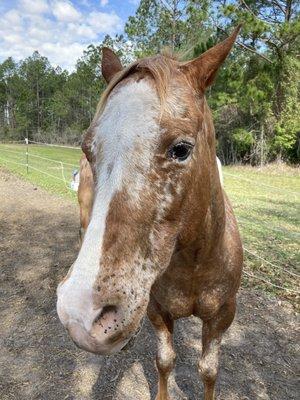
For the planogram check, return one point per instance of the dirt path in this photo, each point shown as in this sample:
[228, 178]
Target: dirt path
[38, 361]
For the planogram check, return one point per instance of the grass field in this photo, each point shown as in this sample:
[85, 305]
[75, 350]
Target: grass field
[49, 167]
[266, 203]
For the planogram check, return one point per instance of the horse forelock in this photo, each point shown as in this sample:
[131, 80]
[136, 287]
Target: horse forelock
[160, 67]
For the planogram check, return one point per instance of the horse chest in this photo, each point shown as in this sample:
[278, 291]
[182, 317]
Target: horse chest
[175, 292]
[184, 291]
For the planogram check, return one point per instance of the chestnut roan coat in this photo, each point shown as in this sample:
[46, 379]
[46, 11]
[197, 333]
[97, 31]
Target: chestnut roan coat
[85, 195]
[162, 237]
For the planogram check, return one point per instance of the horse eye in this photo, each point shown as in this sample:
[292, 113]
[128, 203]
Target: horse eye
[180, 151]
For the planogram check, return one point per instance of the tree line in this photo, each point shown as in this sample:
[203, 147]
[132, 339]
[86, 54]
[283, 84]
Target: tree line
[255, 99]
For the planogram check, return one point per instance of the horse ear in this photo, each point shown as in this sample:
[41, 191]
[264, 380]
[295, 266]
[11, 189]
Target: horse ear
[110, 64]
[203, 69]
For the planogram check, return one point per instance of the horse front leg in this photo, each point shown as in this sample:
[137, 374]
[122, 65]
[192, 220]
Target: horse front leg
[165, 359]
[212, 332]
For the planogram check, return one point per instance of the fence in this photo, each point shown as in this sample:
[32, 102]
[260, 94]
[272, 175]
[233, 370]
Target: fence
[269, 270]
[23, 154]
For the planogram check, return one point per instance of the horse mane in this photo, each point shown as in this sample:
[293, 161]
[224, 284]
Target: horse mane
[160, 67]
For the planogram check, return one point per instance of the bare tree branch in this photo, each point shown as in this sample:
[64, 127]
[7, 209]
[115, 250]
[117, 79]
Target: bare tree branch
[242, 45]
[166, 5]
[248, 8]
[279, 6]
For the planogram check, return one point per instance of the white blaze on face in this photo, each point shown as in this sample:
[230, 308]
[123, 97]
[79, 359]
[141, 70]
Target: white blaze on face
[125, 136]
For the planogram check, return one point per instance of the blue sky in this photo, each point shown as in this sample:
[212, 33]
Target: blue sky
[59, 29]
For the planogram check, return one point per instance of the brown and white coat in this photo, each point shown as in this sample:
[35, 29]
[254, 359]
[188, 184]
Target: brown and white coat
[162, 237]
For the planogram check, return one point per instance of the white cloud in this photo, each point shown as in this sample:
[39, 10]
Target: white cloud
[103, 2]
[12, 38]
[13, 17]
[35, 6]
[81, 31]
[56, 29]
[105, 23]
[64, 11]
[65, 56]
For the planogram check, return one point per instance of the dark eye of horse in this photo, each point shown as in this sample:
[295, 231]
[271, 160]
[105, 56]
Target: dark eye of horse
[180, 151]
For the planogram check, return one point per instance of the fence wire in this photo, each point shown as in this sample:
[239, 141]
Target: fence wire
[54, 145]
[270, 283]
[285, 271]
[47, 159]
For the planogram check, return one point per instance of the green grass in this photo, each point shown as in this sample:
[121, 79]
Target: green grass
[266, 202]
[64, 161]
[267, 205]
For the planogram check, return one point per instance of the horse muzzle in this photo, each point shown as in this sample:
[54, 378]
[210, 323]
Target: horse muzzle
[98, 345]
[109, 332]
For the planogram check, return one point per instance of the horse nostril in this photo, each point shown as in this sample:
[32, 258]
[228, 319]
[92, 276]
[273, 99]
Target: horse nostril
[106, 310]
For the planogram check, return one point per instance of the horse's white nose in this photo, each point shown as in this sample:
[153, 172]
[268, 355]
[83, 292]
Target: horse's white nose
[93, 343]
[106, 334]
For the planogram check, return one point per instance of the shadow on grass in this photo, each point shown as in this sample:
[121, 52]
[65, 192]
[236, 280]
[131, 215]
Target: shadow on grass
[279, 210]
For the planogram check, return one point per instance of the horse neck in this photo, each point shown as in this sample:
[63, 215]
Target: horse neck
[203, 229]
[217, 193]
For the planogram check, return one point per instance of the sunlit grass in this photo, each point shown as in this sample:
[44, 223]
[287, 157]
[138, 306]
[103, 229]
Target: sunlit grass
[52, 169]
[267, 205]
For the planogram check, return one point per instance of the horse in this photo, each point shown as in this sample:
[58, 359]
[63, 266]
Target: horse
[162, 239]
[85, 195]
